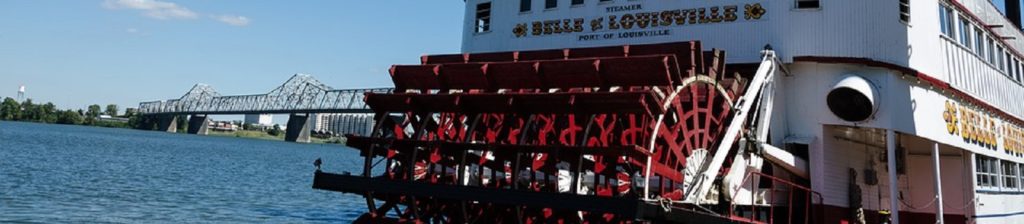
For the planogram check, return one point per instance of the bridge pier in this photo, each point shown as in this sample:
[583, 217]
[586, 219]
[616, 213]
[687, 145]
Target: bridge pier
[198, 124]
[167, 123]
[298, 128]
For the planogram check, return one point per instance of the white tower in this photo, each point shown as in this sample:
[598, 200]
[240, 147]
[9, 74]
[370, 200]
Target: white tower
[21, 92]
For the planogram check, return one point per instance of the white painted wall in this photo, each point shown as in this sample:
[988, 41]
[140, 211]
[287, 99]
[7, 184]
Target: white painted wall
[866, 28]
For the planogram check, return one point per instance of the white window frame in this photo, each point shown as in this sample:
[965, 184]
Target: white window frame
[987, 173]
[946, 21]
[1020, 175]
[991, 49]
[1009, 174]
[965, 29]
[979, 42]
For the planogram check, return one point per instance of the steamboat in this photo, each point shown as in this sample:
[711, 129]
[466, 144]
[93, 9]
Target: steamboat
[630, 111]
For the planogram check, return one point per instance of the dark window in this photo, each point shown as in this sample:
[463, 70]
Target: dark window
[905, 11]
[524, 5]
[550, 4]
[483, 17]
[808, 4]
[577, 2]
[605, 0]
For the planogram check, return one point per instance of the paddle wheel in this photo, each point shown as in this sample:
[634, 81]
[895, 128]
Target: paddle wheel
[607, 135]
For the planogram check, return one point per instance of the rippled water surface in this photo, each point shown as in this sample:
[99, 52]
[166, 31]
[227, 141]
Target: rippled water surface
[74, 174]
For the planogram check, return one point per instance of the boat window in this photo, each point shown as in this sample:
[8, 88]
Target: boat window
[905, 11]
[1008, 64]
[808, 4]
[946, 20]
[1020, 74]
[965, 32]
[550, 4]
[483, 17]
[524, 5]
[991, 50]
[1000, 58]
[1016, 69]
[1020, 167]
[1009, 174]
[979, 45]
[986, 170]
[577, 2]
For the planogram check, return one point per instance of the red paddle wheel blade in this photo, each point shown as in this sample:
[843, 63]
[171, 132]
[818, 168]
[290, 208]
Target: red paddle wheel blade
[561, 135]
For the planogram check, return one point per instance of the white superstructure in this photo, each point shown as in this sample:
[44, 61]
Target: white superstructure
[942, 78]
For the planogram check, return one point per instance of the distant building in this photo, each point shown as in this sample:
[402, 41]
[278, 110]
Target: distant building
[341, 124]
[108, 118]
[261, 119]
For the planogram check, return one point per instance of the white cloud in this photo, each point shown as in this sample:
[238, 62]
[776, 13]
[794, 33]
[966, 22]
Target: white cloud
[131, 30]
[153, 8]
[233, 20]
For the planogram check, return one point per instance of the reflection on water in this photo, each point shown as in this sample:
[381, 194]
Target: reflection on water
[73, 174]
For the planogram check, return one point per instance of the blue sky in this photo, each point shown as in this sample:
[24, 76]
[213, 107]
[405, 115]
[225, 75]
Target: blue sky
[76, 53]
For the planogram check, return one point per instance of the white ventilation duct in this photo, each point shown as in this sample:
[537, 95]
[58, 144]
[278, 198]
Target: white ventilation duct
[853, 99]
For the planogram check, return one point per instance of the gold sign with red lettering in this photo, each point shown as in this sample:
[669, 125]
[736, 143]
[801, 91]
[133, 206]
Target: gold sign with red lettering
[642, 20]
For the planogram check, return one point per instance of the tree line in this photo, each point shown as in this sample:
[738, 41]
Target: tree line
[28, 111]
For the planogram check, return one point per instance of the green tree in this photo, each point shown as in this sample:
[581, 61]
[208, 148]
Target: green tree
[130, 112]
[10, 109]
[248, 126]
[182, 123]
[69, 117]
[28, 111]
[92, 114]
[48, 113]
[135, 121]
[275, 131]
[112, 110]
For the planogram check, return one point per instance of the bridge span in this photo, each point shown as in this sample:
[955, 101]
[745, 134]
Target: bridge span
[300, 96]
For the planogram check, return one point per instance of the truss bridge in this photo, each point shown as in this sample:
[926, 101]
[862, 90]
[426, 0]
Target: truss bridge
[301, 97]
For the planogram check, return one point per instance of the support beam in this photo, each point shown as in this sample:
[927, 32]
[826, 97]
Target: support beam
[938, 184]
[894, 191]
[198, 124]
[167, 123]
[298, 128]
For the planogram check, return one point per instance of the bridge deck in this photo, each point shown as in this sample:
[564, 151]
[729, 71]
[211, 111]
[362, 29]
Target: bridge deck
[300, 94]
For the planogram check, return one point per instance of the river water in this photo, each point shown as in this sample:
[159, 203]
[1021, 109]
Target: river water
[76, 174]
